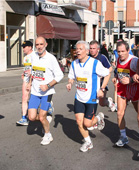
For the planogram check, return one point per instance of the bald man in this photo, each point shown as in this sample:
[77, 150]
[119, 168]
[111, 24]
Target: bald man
[45, 74]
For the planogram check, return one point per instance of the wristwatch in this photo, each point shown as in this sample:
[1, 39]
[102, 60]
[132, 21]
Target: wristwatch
[48, 85]
[102, 89]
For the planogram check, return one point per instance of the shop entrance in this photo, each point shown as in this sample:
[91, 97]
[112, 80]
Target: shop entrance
[15, 31]
[15, 37]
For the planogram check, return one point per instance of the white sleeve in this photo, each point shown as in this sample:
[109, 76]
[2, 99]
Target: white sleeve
[71, 74]
[133, 64]
[101, 70]
[58, 74]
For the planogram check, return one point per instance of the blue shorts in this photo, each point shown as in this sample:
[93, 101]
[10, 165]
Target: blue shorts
[88, 109]
[42, 101]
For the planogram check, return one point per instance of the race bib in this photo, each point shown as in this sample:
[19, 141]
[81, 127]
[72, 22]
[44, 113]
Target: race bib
[123, 73]
[27, 69]
[81, 83]
[38, 73]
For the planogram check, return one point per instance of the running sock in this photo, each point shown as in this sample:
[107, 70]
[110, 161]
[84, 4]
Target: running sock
[24, 117]
[88, 139]
[48, 134]
[123, 133]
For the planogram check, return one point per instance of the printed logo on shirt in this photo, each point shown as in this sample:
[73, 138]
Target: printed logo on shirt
[123, 73]
[81, 83]
[38, 73]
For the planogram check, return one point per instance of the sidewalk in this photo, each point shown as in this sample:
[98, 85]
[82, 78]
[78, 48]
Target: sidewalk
[10, 81]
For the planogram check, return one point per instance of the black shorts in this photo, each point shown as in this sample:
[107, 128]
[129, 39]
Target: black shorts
[88, 109]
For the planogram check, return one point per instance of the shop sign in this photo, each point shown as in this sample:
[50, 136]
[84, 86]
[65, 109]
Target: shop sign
[51, 8]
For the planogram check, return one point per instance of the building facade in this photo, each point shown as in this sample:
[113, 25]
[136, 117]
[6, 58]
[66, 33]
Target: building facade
[62, 23]
[119, 10]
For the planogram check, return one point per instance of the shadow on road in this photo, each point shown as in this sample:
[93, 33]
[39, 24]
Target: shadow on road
[1, 117]
[69, 127]
[71, 107]
[111, 130]
[35, 128]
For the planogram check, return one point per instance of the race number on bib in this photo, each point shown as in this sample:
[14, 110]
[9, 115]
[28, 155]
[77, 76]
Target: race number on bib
[38, 73]
[27, 69]
[123, 73]
[81, 83]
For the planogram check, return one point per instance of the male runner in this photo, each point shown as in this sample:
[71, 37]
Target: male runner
[127, 89]
[27, 49]
[45, 74]
[86, 71]
[94, 52]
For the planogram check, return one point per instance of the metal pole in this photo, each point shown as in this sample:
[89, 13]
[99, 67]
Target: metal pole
[129, 37]
[109, 33]
[101, 21]
[118, 30]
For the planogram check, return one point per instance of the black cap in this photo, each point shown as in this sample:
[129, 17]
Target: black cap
[27, 43]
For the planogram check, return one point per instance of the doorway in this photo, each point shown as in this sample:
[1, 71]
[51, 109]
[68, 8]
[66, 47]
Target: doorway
[15, 37]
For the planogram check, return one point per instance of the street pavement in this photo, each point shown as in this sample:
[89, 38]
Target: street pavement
[20, 145]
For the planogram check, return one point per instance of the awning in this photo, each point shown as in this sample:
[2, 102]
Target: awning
[58, 28]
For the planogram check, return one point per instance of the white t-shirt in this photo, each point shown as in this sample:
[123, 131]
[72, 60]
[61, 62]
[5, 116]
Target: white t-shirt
[27, 66]
[87, 76]
[44, 70]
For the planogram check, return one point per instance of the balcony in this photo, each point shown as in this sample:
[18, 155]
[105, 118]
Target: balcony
[74, 4]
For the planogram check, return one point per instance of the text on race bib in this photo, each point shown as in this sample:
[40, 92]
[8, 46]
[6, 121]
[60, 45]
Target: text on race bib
[81, 83]
[38, 73]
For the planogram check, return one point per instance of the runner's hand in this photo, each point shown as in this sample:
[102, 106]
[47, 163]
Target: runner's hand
[114, 80]
[125, 80]
[100, 94]
[43, 87]
[136, 78]
[68, 86]
[28, 87]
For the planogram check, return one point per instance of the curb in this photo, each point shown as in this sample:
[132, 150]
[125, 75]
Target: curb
[10, 90]
[4, 91]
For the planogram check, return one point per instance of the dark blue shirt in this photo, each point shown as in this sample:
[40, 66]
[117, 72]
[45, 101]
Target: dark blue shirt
[103, 59]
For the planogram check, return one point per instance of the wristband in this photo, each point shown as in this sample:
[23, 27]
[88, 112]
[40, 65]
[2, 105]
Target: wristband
[102, 89]
[48, 85]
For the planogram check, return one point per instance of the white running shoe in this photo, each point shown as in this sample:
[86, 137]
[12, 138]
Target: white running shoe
[46, 140]
[122, 141]
[23, 122]
[111, 104]
[101, 123]
[51, 108]
[86, 146]
[49, 118]
[93, 127]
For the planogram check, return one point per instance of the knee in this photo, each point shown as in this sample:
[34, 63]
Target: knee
[42, 118]
[120, 114]
[31, 116]
[79, 123]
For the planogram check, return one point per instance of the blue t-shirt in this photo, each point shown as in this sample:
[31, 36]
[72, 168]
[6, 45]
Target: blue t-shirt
[103, 59]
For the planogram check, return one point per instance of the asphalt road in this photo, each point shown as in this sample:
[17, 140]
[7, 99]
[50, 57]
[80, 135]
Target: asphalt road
[20, 146]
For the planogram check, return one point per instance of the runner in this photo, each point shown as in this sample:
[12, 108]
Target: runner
[94, 52]
[86, 71]
[45, 74]
[127, 89]
[27, 49]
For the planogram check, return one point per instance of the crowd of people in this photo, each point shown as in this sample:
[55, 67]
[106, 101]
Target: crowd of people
[91, 72]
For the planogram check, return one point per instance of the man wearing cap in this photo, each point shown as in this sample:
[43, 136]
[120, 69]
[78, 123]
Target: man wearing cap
[27, 50]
